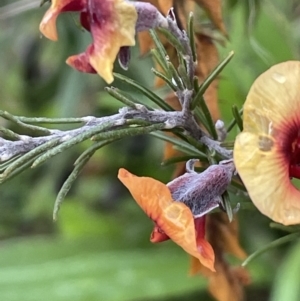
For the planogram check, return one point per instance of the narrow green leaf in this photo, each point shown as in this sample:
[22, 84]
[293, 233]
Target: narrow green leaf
[180, 145]
[71, 142]
[172, 39]
[16, 120]
[161, 62]
[210, 79]
[151, 95]
[4, 165]
[8, 134]
[227, 205]
[164, 78]
[201, 118]
[227, 144]
[290, 229]
[51, 120]
[27, 157]
[184, 77]
[233, 121]
[117, 94]
[191, 35]
[175, 76]
[68, 184]
[272, 245]
[91, 150]
[161, 51]
[209, 121]
[237, 117]
[131, 131]
[16, 171]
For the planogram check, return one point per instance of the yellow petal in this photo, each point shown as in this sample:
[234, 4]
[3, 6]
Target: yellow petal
[48, 23]
[271, 110]
[119, 31]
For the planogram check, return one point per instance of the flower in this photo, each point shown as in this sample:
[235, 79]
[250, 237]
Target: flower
[267, 152]
[112, 24]
[173, 219]
[178, 209]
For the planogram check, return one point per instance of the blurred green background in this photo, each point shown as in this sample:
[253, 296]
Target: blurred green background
[99, 248]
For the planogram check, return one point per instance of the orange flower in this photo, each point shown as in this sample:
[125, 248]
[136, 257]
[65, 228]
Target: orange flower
[178, 209]
[173, 218]
[112, 24]
[267, 152]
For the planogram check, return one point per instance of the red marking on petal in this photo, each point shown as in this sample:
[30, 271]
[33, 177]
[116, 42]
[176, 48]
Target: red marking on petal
[70, 5]
[85, 21]
[200, 226]
[81, 62]
[158, 235]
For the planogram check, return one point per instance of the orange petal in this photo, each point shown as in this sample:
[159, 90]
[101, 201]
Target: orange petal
[151, 195]
[178, 224]
[261, 153]
[48, 23]
[174, 218]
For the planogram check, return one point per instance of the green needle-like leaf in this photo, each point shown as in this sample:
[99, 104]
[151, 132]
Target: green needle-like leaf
[272, 245]
[233, 121]
[175, 76]
[164, 78]
[131, 131]
[146, 92]
[191, 35]
[210, 79]
[180, 144]
[16, 171]
[51, 120]
[161, 51]
[237, 117]
[68, 184]
[172, 39]
[162, 62]
[16, 120]
[184, 77]
[119, 95]
[8, 134]
[210, 126]
[91, 150]
[71, 142]
[27, 157]
[227, 206]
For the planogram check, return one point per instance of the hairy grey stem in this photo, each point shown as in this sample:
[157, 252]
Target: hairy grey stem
[174, 119]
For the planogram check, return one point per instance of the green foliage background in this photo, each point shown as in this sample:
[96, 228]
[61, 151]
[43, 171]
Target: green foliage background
[99, 249]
